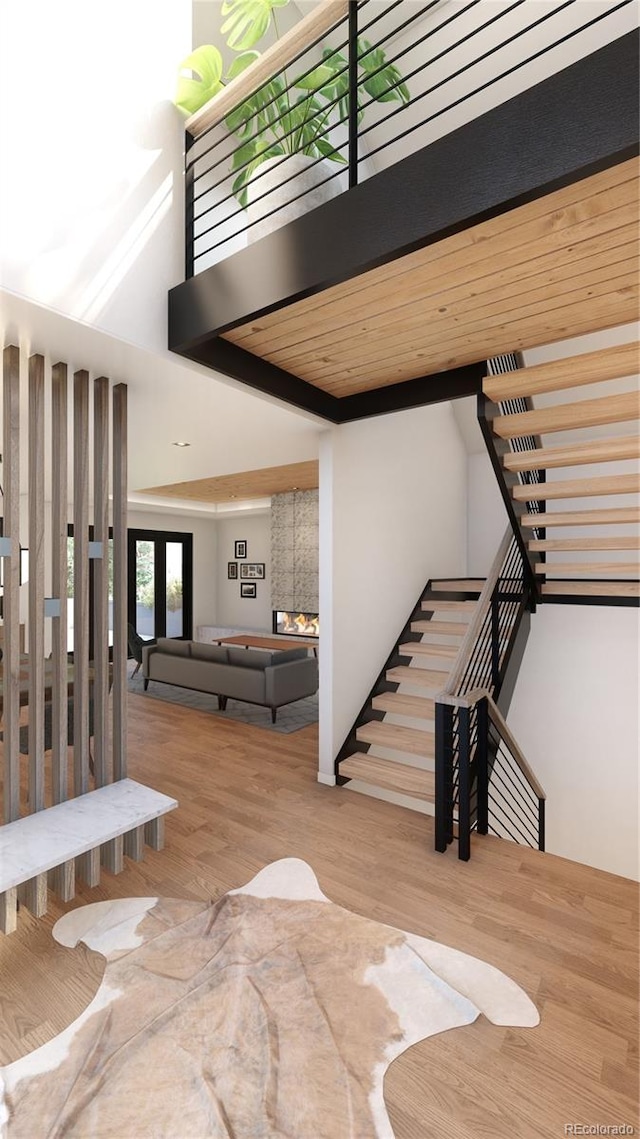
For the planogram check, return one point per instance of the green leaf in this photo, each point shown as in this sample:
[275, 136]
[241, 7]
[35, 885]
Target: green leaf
[241, 62]
[328, 151]
[193, 93]
[248, 21]
[320, 77]
[384, 82]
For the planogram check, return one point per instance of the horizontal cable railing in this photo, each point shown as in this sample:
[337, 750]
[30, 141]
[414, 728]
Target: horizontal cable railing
[463, 734]
[353, 88]
[498, 792]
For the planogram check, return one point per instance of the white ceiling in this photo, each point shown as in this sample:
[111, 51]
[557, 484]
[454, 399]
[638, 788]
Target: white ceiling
[229, 428]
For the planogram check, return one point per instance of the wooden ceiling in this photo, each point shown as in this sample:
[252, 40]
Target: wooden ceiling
[555, 268]
[244, 485]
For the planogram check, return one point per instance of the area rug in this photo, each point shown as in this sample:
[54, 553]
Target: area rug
[290, 718]
[271, 1013]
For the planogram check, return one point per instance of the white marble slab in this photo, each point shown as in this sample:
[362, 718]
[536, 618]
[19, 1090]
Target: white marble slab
[38, 842]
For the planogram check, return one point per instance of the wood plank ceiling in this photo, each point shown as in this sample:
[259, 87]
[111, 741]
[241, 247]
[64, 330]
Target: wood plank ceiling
[244, 485]
[560, 266]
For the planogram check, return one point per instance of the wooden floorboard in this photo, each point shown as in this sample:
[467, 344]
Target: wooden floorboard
[248, 796]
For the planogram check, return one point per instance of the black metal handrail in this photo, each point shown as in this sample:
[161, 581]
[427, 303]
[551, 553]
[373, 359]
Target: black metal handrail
[374, 100]
[462, 728]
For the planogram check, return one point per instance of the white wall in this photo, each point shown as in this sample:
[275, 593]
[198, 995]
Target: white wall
[487, 517]
[204, 556]
[575, 714]
[232, 610]
[91, 201]
[392, 514]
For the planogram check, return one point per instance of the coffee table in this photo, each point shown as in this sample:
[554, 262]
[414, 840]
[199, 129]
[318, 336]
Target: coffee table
[271, 643]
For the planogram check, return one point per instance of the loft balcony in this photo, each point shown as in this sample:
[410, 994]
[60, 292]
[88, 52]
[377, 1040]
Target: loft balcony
[470, 189]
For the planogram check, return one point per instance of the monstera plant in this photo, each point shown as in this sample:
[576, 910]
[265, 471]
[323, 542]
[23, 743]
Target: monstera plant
[288, 115]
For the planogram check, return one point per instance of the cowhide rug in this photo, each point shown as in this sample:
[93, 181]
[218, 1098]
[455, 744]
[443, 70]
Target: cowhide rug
[271, 1013]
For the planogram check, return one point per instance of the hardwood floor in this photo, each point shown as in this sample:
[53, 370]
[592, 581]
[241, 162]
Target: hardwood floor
[567, 934]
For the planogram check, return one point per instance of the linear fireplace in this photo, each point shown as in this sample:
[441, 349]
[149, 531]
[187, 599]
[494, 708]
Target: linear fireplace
[292, 622]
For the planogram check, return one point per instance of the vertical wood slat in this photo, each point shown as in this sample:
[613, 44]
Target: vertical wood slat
[134, 844]
[119, 581]
[36, 590]
[62, 880]
[112, 855]
[9, 911]
[101, 578]
[33, 895]
[80, 582]
[59, 689]
[88, 867]
[154, 833]
[11, 590]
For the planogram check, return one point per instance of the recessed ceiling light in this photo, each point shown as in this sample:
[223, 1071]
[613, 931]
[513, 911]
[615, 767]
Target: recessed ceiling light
[180, 444]
[233, 496]
[294, 488]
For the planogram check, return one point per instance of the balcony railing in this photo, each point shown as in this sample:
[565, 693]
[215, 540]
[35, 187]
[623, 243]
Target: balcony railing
[354, 88]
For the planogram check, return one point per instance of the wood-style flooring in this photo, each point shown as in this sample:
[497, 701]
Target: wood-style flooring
[567, 934]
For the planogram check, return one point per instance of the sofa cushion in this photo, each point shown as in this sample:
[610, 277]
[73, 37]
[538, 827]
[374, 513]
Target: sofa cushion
[217, 653]
[175, 648]
[251, 658]
[290, 654]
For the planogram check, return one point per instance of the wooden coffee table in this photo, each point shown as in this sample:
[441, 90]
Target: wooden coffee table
[272, 643]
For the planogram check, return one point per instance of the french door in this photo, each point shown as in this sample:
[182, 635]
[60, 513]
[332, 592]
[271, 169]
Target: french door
[160, 585]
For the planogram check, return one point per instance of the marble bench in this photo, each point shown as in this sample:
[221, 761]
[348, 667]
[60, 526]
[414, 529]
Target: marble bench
[40, 849]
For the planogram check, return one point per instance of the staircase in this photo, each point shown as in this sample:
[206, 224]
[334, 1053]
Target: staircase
[550, 457]
[390, 752]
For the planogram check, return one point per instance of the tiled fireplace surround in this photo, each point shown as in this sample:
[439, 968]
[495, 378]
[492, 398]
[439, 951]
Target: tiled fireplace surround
[294, 551]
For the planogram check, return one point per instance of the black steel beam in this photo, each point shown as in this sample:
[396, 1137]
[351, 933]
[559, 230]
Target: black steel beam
[259, 374]
[580, 121]
[414, 393]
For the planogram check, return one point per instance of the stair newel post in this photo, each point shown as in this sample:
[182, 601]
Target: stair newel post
[482, 763]
[444, 775]
[541, 823]
[464, 784]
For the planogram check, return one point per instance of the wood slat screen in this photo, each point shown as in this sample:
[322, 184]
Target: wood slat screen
[42, 690]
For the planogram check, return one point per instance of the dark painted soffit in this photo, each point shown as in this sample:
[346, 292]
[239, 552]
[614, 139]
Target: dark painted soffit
[265, 377]
[580, 121]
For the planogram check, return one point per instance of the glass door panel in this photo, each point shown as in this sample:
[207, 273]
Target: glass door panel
[160, 580]
[145, 560]
[174, 589]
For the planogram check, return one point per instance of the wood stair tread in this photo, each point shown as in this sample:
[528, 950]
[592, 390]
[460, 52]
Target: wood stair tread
[398, 703]
[614, 543]
[591, 588]
[578, 488]
[390, 776]
[593, 451]
[616, 516]
[574, 371]
[419, 677]
[568, 416]
[415, 741]
[461, 585]
[568, 569]
[431, 605]
[441, 628]
[424, 649]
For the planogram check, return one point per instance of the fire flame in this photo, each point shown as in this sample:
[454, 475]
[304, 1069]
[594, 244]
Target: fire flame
[302, 624]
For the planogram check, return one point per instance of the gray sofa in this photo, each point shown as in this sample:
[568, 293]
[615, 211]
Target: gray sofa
[257, 677]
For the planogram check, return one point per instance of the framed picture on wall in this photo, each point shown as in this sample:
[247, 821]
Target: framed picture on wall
[241, 548]
[253, 570]
[248, 589]
[232, 570]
